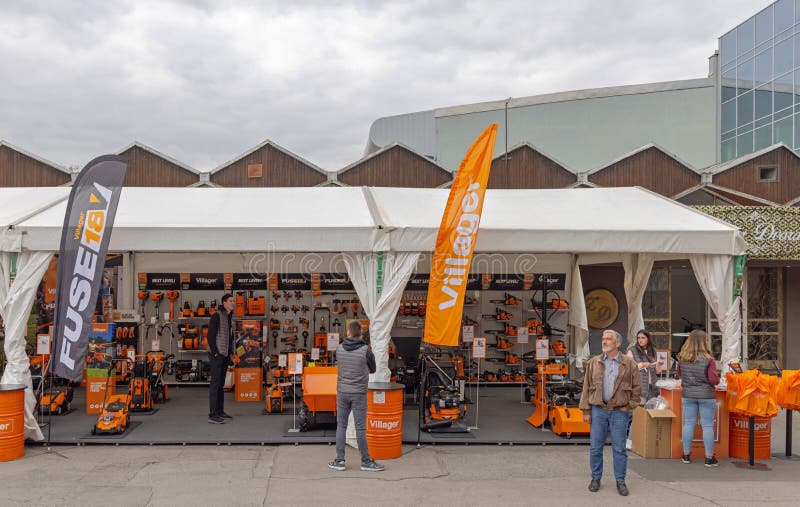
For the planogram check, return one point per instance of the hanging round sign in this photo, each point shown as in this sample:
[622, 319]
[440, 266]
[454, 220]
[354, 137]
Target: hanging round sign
[602, 308]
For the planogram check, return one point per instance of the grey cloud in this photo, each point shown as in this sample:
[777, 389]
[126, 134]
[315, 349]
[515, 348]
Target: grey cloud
[204, 81]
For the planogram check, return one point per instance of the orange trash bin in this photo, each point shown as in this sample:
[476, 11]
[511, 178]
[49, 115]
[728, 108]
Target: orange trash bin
[740, 435]
[385, 420]
[12, 421]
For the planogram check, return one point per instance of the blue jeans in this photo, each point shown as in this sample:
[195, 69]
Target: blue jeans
[706, 407]
[602, 421]
[345, 402]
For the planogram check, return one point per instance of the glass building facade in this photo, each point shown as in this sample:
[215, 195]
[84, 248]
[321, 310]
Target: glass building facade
[759, 69]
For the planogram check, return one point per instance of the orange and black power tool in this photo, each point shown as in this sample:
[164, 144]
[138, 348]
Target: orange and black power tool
[274, 398]
[201, 311]
[143, 296]
[212, 307]
[187, 310]
[241, 304]
[172, 296]
[156, 297]
[256, 305]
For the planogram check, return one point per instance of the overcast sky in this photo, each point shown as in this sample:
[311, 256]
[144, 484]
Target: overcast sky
[204, 81]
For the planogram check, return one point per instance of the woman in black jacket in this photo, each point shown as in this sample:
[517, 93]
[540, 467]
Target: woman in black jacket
[644, 353]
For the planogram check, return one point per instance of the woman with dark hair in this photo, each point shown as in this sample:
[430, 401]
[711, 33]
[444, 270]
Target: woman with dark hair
[644, 353]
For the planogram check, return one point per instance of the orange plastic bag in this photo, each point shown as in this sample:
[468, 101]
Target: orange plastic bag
[752, 393]
[789, 390]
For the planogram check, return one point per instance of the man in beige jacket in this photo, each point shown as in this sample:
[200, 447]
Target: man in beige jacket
[612, 388]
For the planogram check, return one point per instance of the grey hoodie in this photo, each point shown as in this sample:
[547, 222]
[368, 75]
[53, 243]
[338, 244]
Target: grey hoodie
[356, 361]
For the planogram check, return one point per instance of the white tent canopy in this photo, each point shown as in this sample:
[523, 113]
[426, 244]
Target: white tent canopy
[336, 219]
[629, 225]
[225, 220]
[607, 220]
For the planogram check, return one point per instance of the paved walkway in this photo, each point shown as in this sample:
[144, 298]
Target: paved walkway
[431, 475]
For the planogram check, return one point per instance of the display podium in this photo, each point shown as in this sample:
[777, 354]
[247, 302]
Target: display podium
[721, 426]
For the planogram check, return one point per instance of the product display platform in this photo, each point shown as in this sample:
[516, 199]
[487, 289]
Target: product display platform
[184, 420]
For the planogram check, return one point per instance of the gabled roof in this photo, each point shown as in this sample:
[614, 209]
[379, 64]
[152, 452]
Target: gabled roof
[537, 150]
[137, 144]
[730, 164]
[35, 157]
[703, 187]
[741, 194]
[258, 147]
[385, 149]
[639, 150]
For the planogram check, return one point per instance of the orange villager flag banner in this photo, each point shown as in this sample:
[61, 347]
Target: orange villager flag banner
[456, 241]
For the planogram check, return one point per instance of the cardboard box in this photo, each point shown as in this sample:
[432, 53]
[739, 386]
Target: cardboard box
[651, 432]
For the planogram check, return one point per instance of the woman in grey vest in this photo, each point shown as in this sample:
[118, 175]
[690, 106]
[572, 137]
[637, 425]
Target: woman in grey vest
[644, 353]
[698, 373]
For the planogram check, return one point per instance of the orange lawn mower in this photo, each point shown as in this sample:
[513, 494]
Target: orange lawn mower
[55, 399]
[115, 416]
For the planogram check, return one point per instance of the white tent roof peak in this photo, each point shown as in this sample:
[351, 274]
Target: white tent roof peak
[261, 145]
[137, 144]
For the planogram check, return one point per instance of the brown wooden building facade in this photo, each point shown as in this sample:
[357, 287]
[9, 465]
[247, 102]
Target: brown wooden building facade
[527, 167]
[19, 168]
[150, 168]
[268, 165]
[649, 167]
[395, 166]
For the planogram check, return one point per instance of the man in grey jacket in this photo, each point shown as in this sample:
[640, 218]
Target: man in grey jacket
[355, 361]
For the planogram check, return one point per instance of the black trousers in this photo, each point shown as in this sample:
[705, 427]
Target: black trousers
[216, 395]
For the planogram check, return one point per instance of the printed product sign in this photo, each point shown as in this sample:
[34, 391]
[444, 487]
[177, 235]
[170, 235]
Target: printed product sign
[335, 282]
[205, 281]
[507, 282]
[418, 282]
[248, 281]
[554, 281]
[248, 384]
[479, 347]
[294, 281]
[159, 281]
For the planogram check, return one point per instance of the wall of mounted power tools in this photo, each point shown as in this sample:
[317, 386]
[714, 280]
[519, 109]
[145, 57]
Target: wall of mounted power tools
[288, 304]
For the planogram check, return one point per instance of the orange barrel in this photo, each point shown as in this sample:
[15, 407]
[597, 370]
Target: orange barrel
[12, 421]
[740, 434]
[385, 420]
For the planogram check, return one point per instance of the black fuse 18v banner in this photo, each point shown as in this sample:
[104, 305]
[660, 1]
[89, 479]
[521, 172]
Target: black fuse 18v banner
[91, 209]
